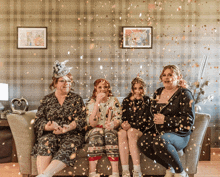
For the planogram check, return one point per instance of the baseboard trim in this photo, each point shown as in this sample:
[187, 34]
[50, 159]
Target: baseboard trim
[216, 150]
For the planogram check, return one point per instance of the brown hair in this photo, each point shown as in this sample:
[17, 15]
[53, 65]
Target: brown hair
[96, 83]
[55, 80]
[176, 70]
[137, 80]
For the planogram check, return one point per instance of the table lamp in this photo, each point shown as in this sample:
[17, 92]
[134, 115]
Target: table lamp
[3, 95]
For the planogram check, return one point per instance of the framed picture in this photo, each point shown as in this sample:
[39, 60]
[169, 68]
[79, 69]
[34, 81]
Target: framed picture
[137, 37]
[32, 37]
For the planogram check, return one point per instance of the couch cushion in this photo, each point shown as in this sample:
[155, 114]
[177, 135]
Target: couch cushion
[82, 152]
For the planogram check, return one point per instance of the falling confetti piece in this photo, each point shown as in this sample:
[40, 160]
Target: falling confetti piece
[92, 46]
[179, 8]
[32, 121]
[70, 173]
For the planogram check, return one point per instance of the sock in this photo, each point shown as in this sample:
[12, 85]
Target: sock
[137, 168]
[92, 174]
[125, 167]
[115, 174]
[183, 172]
[54, 167]
[172, 170]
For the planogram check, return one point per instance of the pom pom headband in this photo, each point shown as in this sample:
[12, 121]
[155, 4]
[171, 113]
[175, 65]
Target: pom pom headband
[60, 70]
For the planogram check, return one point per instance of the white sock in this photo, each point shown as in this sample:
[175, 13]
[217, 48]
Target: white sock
[115, 174]
[125, 167]
[172, 170]
[137, 168]
[54, 167]
[183, 172]
[92, 174]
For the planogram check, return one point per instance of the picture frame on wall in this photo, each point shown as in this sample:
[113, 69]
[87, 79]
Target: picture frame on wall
[137, 37]
[32, 37]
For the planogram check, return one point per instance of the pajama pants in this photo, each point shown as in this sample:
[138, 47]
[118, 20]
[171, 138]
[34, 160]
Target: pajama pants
[163, 148]
[102, 141]
[60, 147]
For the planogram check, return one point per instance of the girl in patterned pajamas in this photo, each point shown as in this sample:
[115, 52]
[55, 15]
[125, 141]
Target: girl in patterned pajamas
[103, 118]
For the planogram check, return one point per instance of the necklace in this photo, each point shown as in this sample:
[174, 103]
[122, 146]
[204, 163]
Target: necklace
[166, 94]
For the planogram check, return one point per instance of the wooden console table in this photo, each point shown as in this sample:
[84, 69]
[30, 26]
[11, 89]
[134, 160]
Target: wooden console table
[4, 123]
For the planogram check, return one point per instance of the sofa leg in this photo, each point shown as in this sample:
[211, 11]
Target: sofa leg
[25, 175]
[191, 175]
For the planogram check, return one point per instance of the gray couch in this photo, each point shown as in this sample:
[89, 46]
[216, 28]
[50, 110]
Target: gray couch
[22, 130]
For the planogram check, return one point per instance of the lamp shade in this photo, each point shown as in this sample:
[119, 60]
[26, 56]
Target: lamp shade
[3, 92]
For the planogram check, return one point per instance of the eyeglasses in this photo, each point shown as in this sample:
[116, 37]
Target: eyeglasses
[62, 81]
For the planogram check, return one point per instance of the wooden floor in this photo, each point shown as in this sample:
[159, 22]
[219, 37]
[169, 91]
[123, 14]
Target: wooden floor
[205, 168]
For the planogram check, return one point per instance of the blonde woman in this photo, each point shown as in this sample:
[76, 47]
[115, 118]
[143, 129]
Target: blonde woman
[174, 114]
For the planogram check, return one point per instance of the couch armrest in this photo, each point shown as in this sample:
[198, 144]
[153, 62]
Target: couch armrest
[23, 134]
[194, 146]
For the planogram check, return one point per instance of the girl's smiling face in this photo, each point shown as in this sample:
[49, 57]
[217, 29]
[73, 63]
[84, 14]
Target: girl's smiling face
[102, 87]
[138, 90]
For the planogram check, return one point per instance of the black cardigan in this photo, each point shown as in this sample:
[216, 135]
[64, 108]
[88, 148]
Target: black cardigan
[179, 112]
[138, 119]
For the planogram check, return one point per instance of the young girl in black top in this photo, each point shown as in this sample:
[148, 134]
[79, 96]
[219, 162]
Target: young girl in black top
[134, 117]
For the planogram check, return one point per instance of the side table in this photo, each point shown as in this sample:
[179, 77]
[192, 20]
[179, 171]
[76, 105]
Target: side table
[4, 123]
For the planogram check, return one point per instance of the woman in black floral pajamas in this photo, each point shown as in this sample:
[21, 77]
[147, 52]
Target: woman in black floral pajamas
[59, 125]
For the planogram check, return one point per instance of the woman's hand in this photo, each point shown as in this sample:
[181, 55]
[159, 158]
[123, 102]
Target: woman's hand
[100, 96]
[109, 114]
[69, 127]
[58, 131]
[159, 118]
[109, 125]
[65, 128]
[125, 125]
[51, 126]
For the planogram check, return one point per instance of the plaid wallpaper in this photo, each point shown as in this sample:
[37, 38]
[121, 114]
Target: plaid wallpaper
[88, 34]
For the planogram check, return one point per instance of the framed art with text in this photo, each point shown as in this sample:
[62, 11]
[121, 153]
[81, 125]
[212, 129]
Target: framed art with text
[137, 37]
[32, 37]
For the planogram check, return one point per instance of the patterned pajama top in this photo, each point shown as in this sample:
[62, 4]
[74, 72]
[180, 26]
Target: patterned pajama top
[111, 103]
[73, 109]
